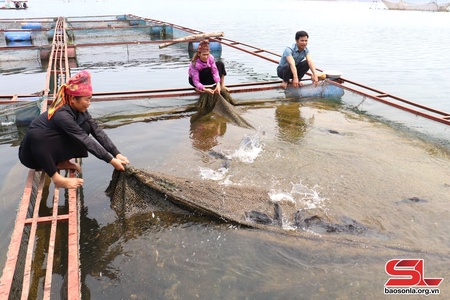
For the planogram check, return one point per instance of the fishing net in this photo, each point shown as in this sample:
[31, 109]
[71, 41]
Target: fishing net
[21, 113]
[136, 191]
[221, 104]
[17, 114]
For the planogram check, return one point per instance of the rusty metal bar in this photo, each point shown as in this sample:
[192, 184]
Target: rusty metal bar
[181, 92]
[73, 272]
[79, 28]
[193, 31]
[386, 95]
[16, 237]
[48, 219]
[184, 89]
[441, 119]
[31, 241]
[51, 246]
[43, 47]
[255, 51]
[14, 20]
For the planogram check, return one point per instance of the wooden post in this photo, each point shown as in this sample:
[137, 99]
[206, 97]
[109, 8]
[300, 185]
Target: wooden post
[191, 38]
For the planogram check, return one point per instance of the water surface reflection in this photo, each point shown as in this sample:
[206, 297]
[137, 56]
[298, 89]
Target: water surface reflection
[341, 164]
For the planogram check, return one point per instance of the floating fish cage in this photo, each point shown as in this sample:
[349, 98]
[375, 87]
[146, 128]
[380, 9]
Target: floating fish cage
[21, 113]
[123, 51]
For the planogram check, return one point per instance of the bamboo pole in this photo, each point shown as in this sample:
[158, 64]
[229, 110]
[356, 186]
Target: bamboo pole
[191, 38]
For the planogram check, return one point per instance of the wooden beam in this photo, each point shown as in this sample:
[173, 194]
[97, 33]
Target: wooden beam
[191, 38]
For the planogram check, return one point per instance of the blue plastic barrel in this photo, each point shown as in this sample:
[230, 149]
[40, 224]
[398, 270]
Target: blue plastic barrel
[332, 91]
[31, 26]
[137, 22]
[19, 43]
[14, 36]
[50, 34]
[215, 48]
[26, 114]
[323, 90]
[161, 31]
[122, 17]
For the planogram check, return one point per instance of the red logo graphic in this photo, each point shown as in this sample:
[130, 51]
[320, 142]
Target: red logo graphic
[408, 273]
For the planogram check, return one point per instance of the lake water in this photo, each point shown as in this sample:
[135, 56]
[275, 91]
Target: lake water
[331, 160]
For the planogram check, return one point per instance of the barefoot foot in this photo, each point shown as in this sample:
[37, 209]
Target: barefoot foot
[283, 85]
[68, 165]
[66, 183]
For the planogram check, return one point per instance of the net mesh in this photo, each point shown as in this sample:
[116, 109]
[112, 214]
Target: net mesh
[136, 191]
[221, 104]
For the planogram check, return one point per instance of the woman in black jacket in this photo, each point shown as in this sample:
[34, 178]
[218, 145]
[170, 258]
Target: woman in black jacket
[62, 133]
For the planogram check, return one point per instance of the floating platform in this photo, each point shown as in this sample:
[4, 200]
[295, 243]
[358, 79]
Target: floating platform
[109, 32]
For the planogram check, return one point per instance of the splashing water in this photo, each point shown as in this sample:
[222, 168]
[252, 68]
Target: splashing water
[279, 197]
[308, 198]
[207, 173]
[249, 149]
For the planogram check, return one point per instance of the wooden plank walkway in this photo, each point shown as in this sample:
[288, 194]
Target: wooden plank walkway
[22, 272]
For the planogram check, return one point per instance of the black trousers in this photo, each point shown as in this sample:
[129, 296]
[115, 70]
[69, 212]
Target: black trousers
[285, 73]
[38, 150]
[206, 77]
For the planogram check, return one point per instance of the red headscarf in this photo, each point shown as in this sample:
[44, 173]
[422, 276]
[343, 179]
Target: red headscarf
[78, 85]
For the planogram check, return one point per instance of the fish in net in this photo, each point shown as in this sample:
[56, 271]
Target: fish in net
[136, 191]
[221, 104]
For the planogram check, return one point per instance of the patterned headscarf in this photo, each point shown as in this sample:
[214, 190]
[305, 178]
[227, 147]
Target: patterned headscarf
[78, 85]
[203, 46]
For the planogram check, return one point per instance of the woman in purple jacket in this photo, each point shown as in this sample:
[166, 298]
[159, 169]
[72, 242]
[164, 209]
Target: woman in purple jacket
[204, 70]
[63, 132]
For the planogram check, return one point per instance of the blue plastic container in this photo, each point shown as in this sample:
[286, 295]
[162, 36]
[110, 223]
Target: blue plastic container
[137, 22]
[122, 17]
[31, 26]
[215, 48]
[323, 90]
[15, 36]
[161, 31]
[50, 34]
[19, 44]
